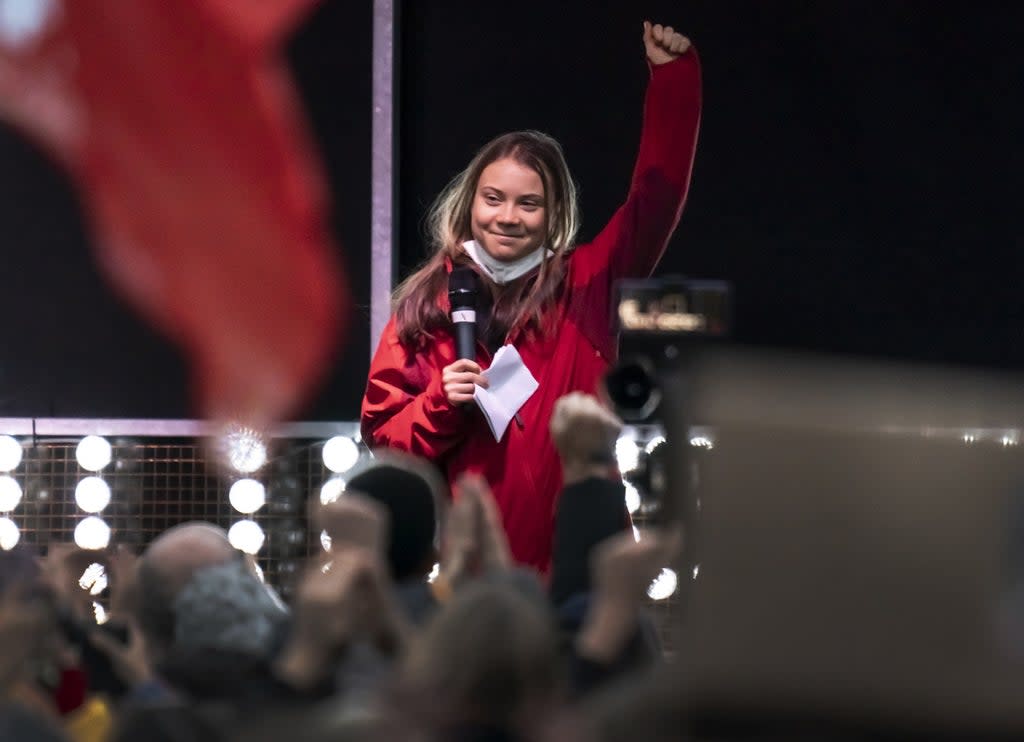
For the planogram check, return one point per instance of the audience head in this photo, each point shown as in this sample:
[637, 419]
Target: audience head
[488, 659]
[165, 569]
[413, 497]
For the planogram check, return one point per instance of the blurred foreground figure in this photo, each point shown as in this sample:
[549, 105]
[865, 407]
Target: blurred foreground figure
[182, 132]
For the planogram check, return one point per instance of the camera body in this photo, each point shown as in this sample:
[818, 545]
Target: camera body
[661, 324]
[658, 320]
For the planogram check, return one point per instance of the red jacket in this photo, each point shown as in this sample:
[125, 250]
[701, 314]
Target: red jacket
[405, 406]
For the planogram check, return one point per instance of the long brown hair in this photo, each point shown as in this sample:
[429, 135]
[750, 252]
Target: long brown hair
[420, 302]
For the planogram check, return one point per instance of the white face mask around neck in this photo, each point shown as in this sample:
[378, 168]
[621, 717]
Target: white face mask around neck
[499, 271]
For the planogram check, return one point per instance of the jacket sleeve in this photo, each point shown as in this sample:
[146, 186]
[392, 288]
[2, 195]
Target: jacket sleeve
[405, 406]
[632, 243]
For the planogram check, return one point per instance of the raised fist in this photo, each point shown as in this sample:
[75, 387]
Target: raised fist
[663, 43]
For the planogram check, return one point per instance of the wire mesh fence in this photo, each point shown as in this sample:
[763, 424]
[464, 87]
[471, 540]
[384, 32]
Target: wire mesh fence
[157, 481]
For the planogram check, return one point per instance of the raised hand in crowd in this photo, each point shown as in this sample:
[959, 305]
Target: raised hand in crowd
[129, 659]
[475, 542]
[622, 569]
[343, 597]
[121, 565]
[62, 567]
[328, 613]
[584, 433]
[354, 522]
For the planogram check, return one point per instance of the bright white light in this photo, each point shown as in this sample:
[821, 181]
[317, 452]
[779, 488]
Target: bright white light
[92, 533]
[325, 541]
[9, 534]
[653, 443]
[627, 454]
[332, 490]
[247, 536]
[247, 495]
[10, 494]
[340, 454]
[701, 441]
[663, 586]
[1009, 440]
[93, 453]
[326, 567]
[970, 438]
[93, 579]
[636, 534]
[22, 21]
[10, 453]
[259, 573]
[435, 572]
[632, 498]
[696, 571]
[246, 451]
[99, 613]
[92, 494]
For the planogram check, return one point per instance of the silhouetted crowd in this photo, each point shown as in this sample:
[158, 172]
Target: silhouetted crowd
[414, 625]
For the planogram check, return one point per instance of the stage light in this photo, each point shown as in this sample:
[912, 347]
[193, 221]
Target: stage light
[245, 450]
[247, 495]
[10, 494]
[627, 454]
[10, 453]
[435, 572]
[696, 571]
[9, 534]
[247, 536]
[325, 541]
[332, 490]
[653, 443]
[632, 498]
[93, 453]
[22, 21]
[92, 494]
[663, 586]
[701, 441]
[341, 453]
[99, 613]
[93, 579]
[92, 533]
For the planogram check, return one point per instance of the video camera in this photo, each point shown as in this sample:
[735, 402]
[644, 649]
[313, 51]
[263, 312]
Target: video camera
[657, 320]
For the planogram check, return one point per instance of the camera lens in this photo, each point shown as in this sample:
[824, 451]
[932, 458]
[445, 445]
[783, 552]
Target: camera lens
[633, 389]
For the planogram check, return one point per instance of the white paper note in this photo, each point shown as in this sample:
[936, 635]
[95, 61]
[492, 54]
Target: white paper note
[510, 385]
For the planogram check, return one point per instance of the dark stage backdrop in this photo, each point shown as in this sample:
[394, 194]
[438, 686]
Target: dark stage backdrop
[859, 168]
[856, 178]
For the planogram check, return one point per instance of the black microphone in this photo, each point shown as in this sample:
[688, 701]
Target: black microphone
[462, 289]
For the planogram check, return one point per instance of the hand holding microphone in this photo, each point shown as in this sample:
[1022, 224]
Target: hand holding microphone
[460, 377]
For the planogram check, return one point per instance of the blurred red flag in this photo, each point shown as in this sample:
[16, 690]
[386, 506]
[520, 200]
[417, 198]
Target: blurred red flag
[181, 127]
